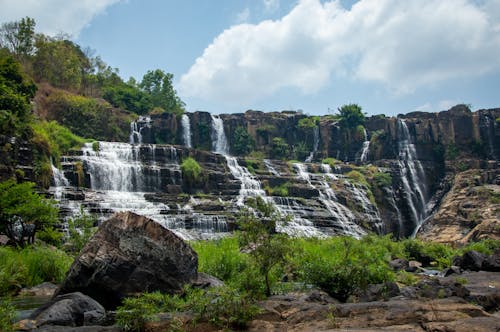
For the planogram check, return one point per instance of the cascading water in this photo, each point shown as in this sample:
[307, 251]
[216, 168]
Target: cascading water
[365, 149]
[342, 216]
[186, 130]
[251, 187]
[271, 168]
[412, 176]
[315, 145]
[136, 128]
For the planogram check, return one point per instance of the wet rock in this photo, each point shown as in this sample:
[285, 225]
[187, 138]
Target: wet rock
[45, 289]
[413, 266]
[127, 255]
[451, 270]
[73, 309]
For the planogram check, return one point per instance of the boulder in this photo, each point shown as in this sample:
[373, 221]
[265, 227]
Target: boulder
[73, 309]
[399, 264]
[378, 292]
[470, 260]
[127, 255]
[492, 262]
[206, 281]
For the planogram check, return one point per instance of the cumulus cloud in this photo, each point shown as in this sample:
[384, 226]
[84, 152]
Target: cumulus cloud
[55, 16]
[402, 44]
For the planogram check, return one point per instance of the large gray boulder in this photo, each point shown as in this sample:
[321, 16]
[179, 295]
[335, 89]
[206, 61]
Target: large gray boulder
[130, 254]
[73, 309]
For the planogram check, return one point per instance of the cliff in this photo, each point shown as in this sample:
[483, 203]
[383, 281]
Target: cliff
[388, 176]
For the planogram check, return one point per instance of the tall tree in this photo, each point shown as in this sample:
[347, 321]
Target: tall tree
[19, 37]
[158, 85]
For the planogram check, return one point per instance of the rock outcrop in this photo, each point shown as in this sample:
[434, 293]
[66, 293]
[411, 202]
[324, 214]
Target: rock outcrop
[470, 211]
[130, 254]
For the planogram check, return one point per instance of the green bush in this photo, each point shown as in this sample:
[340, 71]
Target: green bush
[59, 139]
[31, 266]
[223, 306]
[382, 179]
[242, 143]
[280, 148]
[191, 170]
[281, 190]
[81, 228]
[309, 123]
[341, 265]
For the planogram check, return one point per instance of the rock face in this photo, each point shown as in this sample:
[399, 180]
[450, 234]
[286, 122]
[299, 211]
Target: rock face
[130, 254]
[469, 211]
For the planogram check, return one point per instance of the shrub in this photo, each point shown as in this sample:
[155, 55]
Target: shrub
[382, 179]
[279, 148]
[223, 306]
[281, 190]
[191, 170]
[308, 123]
[341, 265]
[81, 228]
[358, 177]
[242, 143]
[351, 116]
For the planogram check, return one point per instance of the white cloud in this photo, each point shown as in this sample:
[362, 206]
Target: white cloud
[402, 44]
[55, 16]
[271, 6]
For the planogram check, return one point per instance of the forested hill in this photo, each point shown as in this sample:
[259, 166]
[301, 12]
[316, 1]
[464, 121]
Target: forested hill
[45, 79]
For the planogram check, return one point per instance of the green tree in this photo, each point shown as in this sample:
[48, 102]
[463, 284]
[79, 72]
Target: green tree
[23, 212]
[351, 116]
[158, 85]
[191, 170]
[18, 37]
[128, 97]
[16, 92]
[269, 249]
[279, 147]
[242, 142]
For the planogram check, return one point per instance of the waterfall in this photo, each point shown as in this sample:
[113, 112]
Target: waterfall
[251, 187]
[412, 176]
[343, 217]
[365, 149]
[271, 168]
[219, 140]
[315, 145]
[186, 130]
[60, 181]
[136, 128]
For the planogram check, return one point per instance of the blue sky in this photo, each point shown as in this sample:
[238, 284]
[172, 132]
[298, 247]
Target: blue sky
[389, 56]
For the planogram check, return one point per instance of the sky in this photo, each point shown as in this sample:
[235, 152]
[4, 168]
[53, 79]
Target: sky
[228, 56]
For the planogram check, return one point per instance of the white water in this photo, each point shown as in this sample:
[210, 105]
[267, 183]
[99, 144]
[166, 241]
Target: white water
[342, 216]
[251, 187]
[365, 149]
[136, 130]
[219, 140]
[186, 130]
[315, 146]
[271, 168]
[60, 181]
[412, 176]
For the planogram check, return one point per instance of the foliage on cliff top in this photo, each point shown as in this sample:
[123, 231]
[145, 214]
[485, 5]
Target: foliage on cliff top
[351, 116]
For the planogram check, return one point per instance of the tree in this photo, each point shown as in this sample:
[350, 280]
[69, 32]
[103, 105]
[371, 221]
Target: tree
[269, 249]
[23, 212]
[19, 37]
[158, 85]
[242, 142]
[279, 147]
[351, 116]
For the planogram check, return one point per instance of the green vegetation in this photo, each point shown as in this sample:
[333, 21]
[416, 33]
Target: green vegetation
[81, 228]
[242, 143]
[23, 212]
[382, 179]
[191, 170]
[358, 177]
[281, 190]
[451, 152]
[265, 130]
[57, 139]
[308, 123]
[330, 161]
[7, 315]
[280, 148]
[351, 116]
[224, 307]
[30, 267]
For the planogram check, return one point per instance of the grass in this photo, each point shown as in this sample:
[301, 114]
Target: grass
[31, 266]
